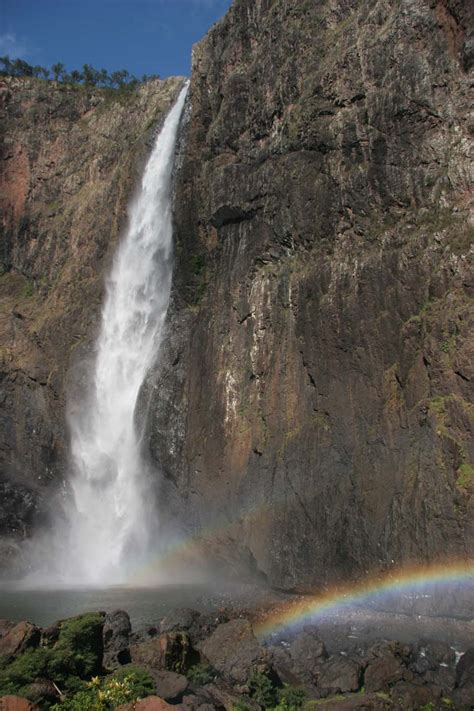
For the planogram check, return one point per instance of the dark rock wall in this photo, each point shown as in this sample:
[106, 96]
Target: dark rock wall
[69, 159]
[313, 414]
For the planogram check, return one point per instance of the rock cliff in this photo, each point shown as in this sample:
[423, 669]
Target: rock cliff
[69, 159]
[313, 416]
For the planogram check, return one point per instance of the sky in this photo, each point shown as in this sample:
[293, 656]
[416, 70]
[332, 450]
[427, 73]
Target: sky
[142, 36]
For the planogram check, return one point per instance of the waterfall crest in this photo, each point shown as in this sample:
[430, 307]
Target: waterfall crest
[111, 506]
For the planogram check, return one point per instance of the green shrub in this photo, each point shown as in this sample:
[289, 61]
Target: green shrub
[80, 641]
[75, 657]
[201, 674]
[105, 694]
[143, 684]
[290, 699]
[262, 690]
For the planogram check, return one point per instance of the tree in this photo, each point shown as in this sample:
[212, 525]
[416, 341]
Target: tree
[58, 70]
[89, 75]
[119, 78]
[76, 76]
[7, 64]
[20, 68]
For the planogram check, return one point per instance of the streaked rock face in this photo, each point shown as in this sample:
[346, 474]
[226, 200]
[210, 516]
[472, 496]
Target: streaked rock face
[314, 415]
[69, 161]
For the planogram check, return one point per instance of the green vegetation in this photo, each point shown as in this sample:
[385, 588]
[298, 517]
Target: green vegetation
[88, 75]
[201, 674]
[108, 693]
[264, 693]
[465, 475]
[75, 657]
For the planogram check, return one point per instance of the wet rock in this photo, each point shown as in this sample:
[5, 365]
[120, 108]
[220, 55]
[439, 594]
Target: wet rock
[169, 685]
[19, 638]
[286, 667]
[233, 650]
[365, 702]
[170, 651]
[430, 656]
[339, 675]
[383, 672]
[463, 697]
[206, 623]
[413, 696]
[214, 697]
[303, 655]
[180, 619]
[115, 635]
[151, 703]
[5, 626]
[16, 703]
[42, 692]
[465, 669]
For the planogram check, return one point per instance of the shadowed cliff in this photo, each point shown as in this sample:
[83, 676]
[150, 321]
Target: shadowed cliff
[314, 415]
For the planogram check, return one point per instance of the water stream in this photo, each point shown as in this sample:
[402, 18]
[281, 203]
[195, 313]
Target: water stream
[111, 507]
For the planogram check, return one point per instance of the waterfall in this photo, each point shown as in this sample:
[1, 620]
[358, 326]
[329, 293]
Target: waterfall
[111, 506]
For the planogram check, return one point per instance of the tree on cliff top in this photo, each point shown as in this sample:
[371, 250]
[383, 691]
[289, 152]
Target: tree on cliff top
[89, 76]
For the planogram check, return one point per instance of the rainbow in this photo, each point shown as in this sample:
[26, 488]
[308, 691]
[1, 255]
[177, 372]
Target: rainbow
[411, 579]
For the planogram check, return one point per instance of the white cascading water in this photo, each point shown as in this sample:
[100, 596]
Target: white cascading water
[110, 511]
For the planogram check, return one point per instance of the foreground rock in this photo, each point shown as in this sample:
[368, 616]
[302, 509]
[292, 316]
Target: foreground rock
[16, 703]
[234, 651]
[170, 651]
[18, 639]
[151, 703]
[226, 669]
[116, 634]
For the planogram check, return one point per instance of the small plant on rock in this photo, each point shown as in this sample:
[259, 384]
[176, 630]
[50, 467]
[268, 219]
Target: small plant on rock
[201, 674]
[262, 690]
[105, 694]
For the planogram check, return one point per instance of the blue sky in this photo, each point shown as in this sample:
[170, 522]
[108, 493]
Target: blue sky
[143, 36]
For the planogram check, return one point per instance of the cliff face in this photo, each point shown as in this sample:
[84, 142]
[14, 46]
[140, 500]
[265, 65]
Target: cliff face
[69, 161]
[313, 414]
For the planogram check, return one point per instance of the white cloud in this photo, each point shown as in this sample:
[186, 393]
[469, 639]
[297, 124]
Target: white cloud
[11, 45]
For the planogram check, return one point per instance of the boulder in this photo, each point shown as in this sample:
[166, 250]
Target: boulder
[169, 651]
[214, 697]
[204, 625]
[465, 669]
[383, 672]
[151, 703]
[408, 695]
[16, 703]
[306, 652]
[115, 635]
[5, 626]
[339, 675]
[42, 692]
[19, 638]
[362, 702]
[286, 668]
[180, 619]
[234, 651]
[169, 685]
[463, 698]
[430, 656]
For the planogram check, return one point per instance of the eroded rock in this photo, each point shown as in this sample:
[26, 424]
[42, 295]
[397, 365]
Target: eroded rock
[234, 651]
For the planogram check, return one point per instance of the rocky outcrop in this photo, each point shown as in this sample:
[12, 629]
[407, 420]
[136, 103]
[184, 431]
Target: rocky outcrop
[230, 668]
[69, 159]
[313, 412]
